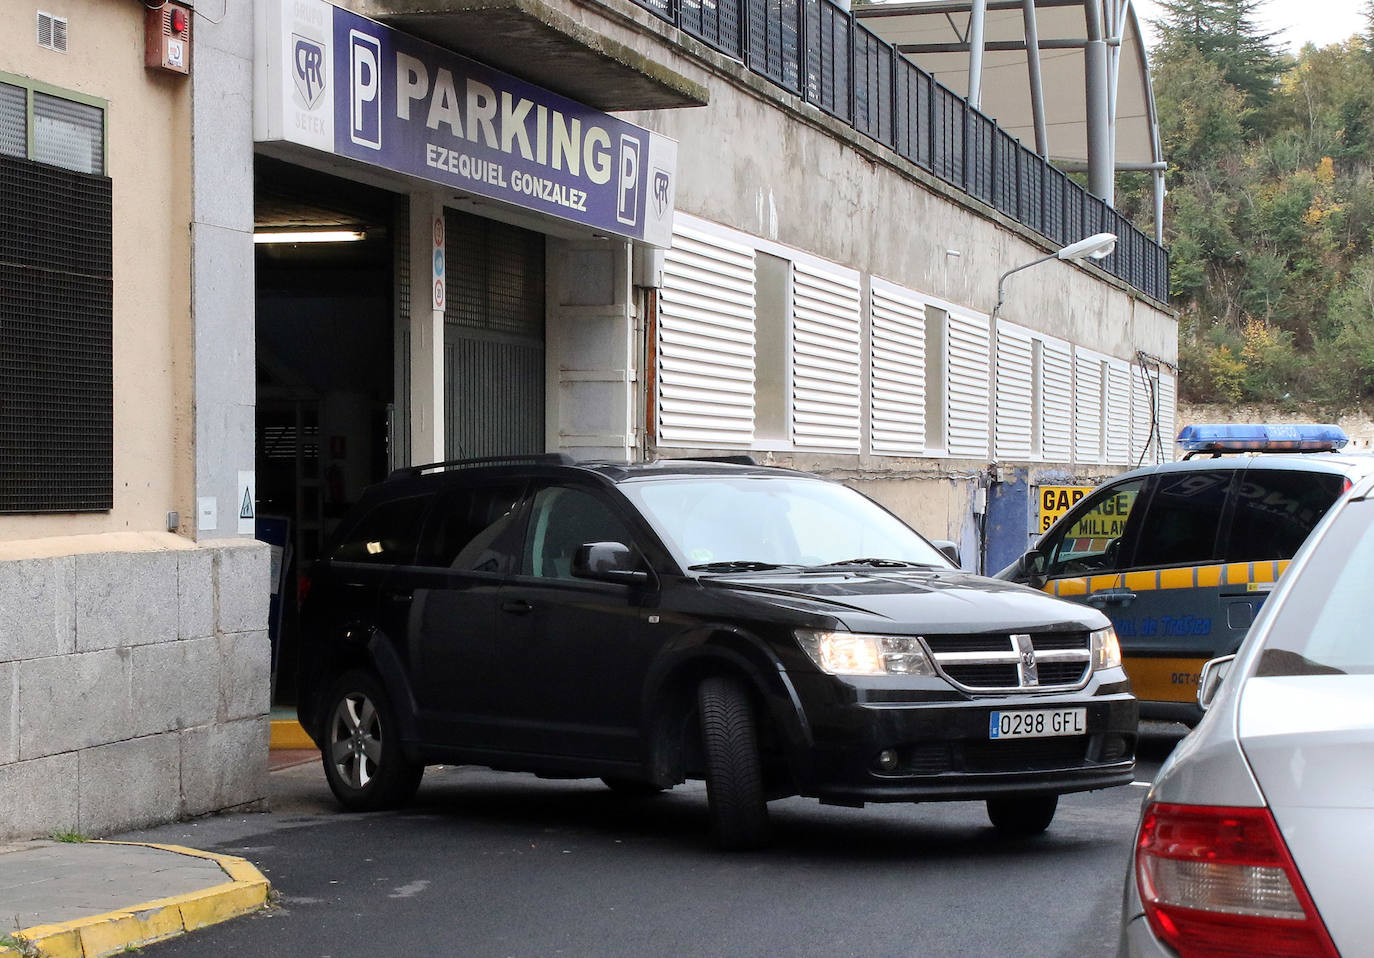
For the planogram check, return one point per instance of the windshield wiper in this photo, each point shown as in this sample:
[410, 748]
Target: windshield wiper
[879, 564]
[736, 565]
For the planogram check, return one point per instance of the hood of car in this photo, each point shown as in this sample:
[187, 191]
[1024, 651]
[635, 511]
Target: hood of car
[1310, 742]
[914, 601]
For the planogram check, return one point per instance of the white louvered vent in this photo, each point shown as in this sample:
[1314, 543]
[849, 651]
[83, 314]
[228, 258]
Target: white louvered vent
[706, 342]
[1118, 412]
[1087, 406]
[52, 32]
[1014, 422]
[826, 372]
[967, 392]
[1143, 447]
[1168, 425]
[898, 372]
[1056, 401]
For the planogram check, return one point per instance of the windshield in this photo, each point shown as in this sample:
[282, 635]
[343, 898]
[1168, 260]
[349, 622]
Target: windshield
[743, 523]
[1323, 625]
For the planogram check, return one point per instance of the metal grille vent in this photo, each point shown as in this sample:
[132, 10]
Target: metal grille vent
[52, 32]
[1000, 663]
[14, 125]
[56, 378]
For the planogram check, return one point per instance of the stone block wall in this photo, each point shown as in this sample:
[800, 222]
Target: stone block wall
[134, 684]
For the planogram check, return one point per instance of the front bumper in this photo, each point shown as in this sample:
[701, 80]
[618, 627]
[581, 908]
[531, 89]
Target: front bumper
[943, 748]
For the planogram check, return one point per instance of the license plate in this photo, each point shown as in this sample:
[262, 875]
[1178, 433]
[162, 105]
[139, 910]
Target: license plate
[1041, 723]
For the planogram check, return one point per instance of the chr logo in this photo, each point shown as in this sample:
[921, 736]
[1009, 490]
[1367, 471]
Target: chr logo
[627, 206]
[365, 88]
[307, 69]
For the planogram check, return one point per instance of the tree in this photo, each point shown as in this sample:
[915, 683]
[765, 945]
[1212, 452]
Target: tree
[1226, 34]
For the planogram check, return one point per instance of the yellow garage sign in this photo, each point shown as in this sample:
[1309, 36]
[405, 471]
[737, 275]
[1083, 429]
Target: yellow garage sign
[1057, 500]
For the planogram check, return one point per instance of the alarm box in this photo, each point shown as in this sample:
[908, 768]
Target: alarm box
[168, 38]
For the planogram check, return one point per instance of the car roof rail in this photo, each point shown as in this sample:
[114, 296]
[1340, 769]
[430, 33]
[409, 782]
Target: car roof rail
[533, 459]
[738, 459]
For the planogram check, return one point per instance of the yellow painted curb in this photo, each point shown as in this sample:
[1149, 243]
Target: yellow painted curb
[117, 931]
[287, 733]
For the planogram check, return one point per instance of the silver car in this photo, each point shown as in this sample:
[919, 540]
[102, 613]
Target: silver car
[1257, 836]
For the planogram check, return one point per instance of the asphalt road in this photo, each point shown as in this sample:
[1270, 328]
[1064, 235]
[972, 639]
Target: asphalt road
[496, 864]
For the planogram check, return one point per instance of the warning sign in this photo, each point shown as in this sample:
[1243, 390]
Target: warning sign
[247, 496]
[1057, 500]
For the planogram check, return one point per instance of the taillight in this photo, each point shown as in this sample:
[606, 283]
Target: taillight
[1219, 882]
[302, 588]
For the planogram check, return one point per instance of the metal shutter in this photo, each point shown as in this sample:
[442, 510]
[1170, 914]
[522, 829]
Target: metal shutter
[1056, 401]
[898, 371]
[1145, 438]
[1168, 429]
[966, 391]
[1118, 412]
[706, 342]
[826, 373]
[1014, 425]
[1087, 406]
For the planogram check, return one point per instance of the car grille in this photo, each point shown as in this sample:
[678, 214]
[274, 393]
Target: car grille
[1002, 662]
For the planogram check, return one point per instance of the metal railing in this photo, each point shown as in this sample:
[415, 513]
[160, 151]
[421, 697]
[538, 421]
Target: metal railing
[819, 51]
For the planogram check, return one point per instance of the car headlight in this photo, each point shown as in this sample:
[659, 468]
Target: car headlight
[1106, 650]
[854, 653]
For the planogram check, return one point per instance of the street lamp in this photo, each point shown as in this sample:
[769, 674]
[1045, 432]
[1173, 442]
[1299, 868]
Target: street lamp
[1097, 246]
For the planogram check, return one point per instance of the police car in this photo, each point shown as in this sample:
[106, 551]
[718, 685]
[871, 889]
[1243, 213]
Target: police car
[1181, 555]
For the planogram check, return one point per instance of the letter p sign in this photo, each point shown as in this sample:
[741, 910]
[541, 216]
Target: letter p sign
[364, 83]
[627, 207]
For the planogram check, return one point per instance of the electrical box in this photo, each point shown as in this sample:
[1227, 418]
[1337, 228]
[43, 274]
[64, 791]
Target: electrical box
[167, 34]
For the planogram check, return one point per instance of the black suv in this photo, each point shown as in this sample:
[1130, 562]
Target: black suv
[767, 630]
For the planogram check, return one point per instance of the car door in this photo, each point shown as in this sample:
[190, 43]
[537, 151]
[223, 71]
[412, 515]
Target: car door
[1169, 609]
[449, 595]
[571, 653]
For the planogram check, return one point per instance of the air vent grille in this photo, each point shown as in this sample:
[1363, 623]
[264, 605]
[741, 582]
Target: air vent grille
[52, 32]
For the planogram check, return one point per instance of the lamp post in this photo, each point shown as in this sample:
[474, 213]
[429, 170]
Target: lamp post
[1097, 246]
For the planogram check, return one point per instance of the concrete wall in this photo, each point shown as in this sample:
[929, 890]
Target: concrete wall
[134, 675]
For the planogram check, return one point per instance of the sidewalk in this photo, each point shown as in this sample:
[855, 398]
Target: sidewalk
[87, 899]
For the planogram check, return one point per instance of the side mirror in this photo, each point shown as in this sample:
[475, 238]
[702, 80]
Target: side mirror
[1213, 673]
[609, 562]
[949, 549]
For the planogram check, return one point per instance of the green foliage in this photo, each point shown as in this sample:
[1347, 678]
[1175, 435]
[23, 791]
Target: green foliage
[1270, 212]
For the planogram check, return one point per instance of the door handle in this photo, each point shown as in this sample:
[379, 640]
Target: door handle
[516, 607]
[400, 598]
[1099, 599]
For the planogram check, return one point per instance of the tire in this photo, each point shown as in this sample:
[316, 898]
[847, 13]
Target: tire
[734, 769]
[1022, 817]
[361, 747]
[632, 787]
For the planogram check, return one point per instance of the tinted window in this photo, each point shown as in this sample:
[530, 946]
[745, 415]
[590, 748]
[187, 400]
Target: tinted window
[386, 535]
[562, 519]
[1323, 624]
[1275, 511]
[1184, 516]
[466, 531]
[1090, 540]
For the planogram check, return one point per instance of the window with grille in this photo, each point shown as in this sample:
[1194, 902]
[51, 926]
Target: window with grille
[56, 285]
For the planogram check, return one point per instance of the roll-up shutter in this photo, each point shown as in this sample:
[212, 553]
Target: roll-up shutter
[826, 373]
[898, 373]
[1168, 429]
[1087, 406]
[1056, 401]
[1013, 427]
[967, 385]
[706, 342]
[1118, 412]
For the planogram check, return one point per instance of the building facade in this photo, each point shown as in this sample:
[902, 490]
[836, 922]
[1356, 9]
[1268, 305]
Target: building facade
[352, 238]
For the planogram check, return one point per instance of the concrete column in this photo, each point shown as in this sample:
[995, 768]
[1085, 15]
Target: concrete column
[223, 347]
[426, 333]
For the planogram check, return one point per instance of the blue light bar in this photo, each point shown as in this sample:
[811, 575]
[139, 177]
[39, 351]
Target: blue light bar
[1261, 437]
